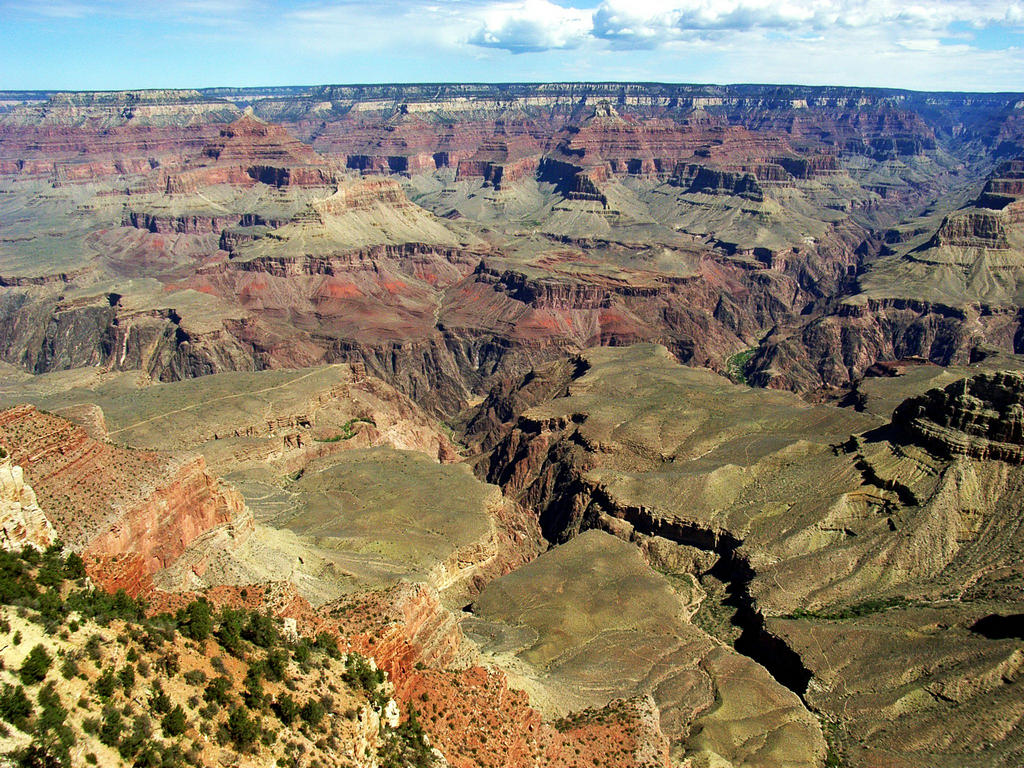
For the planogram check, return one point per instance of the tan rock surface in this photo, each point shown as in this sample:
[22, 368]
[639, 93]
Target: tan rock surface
[22, 522]
[594, 623]
[869, 574]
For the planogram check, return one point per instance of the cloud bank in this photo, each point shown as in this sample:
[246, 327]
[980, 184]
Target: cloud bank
[925, 44]
[643, 24]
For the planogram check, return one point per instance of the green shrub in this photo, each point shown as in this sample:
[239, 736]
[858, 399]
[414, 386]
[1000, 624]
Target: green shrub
[196, 620]
[276, 665]
[159, 702]
[253, 696]
[105, 684]
[111, 726]
[127, 677]
[74, 567]
[260, 630]
[302, 652]
[142, 730]
[174, 722]
[229, 633]
[406, 746]
[360, 674]
[168, 664]
[16, 583]
[217, 691]
[15, 706]
[242, 729]
[327, 643]
[312, 712]
[286, 709]
[51, 611]
[31, 555]
[93, 647]
[40, 755]
[50, 573]
[52, 713]
[35, 666]
[104, 607]
[69, 667]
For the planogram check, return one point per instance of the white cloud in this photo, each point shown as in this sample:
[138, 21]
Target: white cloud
[648, 22]
[921, 44]
[532, 25]
[538, 25]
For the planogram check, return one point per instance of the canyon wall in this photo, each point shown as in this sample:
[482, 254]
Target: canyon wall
[110, 501]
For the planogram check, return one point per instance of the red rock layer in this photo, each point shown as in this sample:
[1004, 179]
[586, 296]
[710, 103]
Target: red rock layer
[502, 151]
[249, 140]
[249, 151]
[116, 572]
[78, 153]
[110, 501]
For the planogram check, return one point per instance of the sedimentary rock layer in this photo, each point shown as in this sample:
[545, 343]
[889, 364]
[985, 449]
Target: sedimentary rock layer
[107, 500]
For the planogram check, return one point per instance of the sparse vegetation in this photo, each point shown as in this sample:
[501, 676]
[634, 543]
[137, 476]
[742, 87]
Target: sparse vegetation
[15, 706]
[347, 430]
[35, 666]
[407, 745]
[857, 610]
[144, 717]
[736, 365]
[832, 732]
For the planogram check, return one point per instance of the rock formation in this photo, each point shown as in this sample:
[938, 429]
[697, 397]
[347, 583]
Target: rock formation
[106, 500]
[22, 522]
[539, 220]
[981, 417]
[808, 537]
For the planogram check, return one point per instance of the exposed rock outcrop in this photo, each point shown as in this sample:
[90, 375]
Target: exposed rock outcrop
[981, 417]
[22, 522]
[840, 557]
[975, 228]
[111, 501]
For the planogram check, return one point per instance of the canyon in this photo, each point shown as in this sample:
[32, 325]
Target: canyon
[619, 424]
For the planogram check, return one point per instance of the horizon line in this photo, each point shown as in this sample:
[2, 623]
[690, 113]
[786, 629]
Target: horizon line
[10, 92]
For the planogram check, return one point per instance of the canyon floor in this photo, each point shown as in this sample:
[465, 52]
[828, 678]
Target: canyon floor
[617, 425]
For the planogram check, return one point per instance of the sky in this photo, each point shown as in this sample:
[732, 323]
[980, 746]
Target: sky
[975, 45]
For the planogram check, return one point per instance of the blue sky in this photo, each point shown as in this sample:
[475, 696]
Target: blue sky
[114, 44]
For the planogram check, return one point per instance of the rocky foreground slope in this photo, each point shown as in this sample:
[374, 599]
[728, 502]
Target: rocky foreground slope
[170, 499]
[393, 608]
[109, 683]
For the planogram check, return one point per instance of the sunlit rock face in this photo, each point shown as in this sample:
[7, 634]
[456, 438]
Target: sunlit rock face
[22, 522]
